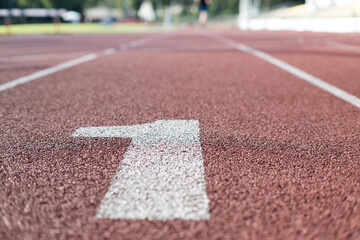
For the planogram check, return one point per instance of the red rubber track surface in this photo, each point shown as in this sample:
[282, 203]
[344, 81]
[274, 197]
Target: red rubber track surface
[332, 57]
[281, 156]
[23, 55]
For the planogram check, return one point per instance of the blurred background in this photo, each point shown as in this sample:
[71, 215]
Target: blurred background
[77, 16]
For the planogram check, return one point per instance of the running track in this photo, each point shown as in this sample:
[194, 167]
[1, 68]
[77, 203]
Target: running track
[281, 157]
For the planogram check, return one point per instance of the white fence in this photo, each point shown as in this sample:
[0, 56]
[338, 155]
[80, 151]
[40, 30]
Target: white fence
[31, 12]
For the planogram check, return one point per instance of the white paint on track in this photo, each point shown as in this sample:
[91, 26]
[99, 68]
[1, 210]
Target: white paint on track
[39, 57]
[74, 62]
[47, 71]
[292, 70]
[344, 46]
[109, 51]
[140, 42]
[161, 176]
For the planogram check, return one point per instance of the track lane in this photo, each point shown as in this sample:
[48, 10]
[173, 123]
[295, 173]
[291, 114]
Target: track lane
[300, 74]
[23, 55]
[279, 162]
[311, 53]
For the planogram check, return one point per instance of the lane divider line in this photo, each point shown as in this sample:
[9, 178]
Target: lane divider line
[41, 56]
[343, 46]
[77, 61]
[290, 69]
[47, 71]
[109, 51]
[142, 41]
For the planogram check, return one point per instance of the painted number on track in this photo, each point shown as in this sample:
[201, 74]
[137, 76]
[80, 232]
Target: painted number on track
[161, 176]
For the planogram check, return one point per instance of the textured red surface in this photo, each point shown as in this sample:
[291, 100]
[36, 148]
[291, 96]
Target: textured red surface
[23, 55]
[333, 57]
[281, 156]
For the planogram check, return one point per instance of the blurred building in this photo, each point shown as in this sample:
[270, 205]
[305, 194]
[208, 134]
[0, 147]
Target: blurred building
[339, 16]
[71, 16]
[319, 8]
[30, 15]
[98, 14]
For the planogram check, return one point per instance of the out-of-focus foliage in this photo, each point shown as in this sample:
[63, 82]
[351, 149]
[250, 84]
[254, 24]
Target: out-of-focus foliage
[217, 6]
[224, 7]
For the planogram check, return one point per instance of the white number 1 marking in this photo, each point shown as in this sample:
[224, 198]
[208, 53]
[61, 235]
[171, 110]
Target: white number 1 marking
[161, 176]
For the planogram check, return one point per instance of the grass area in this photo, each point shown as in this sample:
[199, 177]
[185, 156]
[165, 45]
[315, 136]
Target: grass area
[68, 28]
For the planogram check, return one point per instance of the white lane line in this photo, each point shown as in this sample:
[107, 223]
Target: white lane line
[161, 176]
[292, 70]
[343, 46]
[109, 51]
[40, 57]
[142, 41]
[69, 64]
[47, 71]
